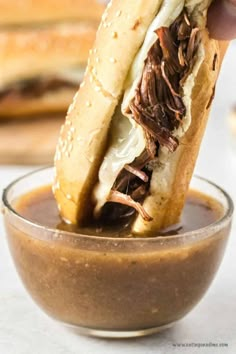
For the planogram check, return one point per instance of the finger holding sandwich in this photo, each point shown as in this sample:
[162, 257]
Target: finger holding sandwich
[133, 132]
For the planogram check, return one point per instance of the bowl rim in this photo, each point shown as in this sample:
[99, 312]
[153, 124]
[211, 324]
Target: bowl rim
[214, 227]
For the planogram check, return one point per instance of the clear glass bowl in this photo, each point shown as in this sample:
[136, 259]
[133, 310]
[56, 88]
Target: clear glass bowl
[114, 287]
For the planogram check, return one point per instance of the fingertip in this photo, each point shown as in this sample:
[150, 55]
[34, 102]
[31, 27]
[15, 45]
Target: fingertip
[221, 20]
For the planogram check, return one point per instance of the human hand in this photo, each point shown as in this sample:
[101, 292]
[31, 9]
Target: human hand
[222, 19]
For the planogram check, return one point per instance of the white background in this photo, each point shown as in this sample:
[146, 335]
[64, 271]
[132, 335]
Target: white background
[24, 329]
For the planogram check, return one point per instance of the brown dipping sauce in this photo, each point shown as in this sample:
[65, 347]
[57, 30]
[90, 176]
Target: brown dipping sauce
[115, 284]
[40, 207]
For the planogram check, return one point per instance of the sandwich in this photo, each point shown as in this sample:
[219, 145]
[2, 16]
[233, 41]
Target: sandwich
[44, 48]
[41, 68]
[132, 134]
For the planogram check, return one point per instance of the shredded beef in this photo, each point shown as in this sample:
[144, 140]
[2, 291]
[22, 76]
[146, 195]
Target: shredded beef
[158, 106]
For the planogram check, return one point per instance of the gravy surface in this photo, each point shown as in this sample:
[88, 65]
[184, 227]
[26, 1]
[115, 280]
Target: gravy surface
[112, 284]
[40, 207]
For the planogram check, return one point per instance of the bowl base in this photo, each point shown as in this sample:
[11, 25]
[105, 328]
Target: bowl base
[117, 333]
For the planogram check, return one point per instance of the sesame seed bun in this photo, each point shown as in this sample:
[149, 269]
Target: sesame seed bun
[81, 147]
[119, 38]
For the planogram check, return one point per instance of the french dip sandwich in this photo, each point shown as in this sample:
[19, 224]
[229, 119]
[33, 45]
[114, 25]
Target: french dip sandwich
[133, 132]
[41, 68]
[44, 46]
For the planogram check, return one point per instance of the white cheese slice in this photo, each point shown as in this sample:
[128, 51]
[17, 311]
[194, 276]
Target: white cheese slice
[126, 143]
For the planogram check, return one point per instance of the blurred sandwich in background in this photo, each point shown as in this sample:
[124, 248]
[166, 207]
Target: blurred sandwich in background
[44, 47]
[23, 12]
[41, 68]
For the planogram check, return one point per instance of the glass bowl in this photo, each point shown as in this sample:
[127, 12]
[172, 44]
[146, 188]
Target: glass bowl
[114, 287]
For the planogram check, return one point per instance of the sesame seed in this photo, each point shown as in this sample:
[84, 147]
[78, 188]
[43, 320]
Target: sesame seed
[95, 50]
[97, 60]
[88, 104]
[82, 84]
[90, 51]
[67, 154]
[91, 79]
[118, 13]
[79, 139]
[72, 129]
[114, 34]
[70, 137]
[64, 147]
[63, 259]
[94, 71]
[70, 147]
[105, 25]
[68, 196]
[112, 60]
[91, 159]
[59, 207]
[104, 16]
[108, 24]
[70, 109]
[68, 122]
[97, 89]
[100, 26]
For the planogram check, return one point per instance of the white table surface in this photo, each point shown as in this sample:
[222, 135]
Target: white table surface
[24, 329]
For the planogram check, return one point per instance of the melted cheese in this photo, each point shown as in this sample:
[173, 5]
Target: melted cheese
[126, 143]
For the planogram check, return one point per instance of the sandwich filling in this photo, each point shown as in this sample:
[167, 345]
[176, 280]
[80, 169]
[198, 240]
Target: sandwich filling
[158, 107]
[38, 86]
